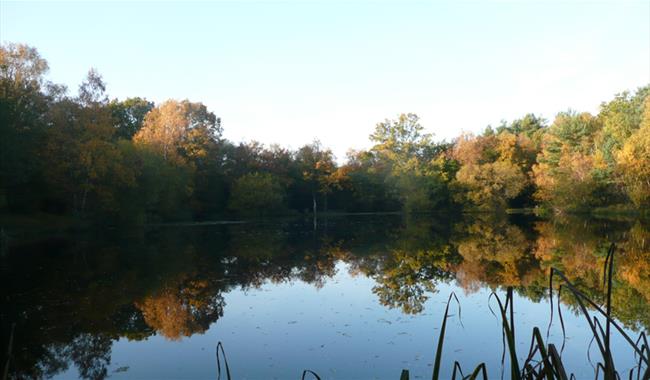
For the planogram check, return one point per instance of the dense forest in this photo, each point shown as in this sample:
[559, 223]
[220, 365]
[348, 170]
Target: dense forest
[132, 161]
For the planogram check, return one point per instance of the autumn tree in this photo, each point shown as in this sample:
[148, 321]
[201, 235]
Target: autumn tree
[493, 168]
[633, 162]
[84, 163]
[318, 171]
[88, 156]
[180, 130]
[400, 141]
[568, 174]
[187, 135]
[620, 118]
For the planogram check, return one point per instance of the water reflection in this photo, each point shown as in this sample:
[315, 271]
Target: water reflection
[70, 298]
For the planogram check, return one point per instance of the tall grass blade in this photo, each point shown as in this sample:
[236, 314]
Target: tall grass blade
[479, 370]
[558, 367]
[508, 326]
[5, 374]
[537, 344]
[225, 362]
[503, 336]
[610, 371]
[457, 370]
[591, 362]
[559, 313]
[582, 299]
[644, 348]
[646, 375]
[441, 338]
[308, 371]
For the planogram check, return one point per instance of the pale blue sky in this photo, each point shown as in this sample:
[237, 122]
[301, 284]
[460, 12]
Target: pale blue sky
[290, 71]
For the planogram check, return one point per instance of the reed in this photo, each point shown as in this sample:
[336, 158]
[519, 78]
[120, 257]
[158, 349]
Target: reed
[543, 360]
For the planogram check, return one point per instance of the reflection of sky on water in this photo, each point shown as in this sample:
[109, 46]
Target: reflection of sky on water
[341, 331]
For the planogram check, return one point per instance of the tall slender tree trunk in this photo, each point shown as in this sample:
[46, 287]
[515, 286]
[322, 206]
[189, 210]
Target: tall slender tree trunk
[83, 202]
[75, 206]
[84, 197]
[313, 198]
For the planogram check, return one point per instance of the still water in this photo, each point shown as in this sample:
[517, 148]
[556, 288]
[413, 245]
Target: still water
[354, 297]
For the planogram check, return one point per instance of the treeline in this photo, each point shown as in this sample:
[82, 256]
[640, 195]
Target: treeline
[133, 160]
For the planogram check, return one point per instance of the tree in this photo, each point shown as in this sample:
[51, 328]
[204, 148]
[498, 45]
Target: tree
[84, 164]
[180, 131]
[257, 194]
[133, 160]
[415, 166]
[400, 141]
[529, 125]
[23, 106]
[318, 167]
[493, 168]
[364, 183]
[129, 115]
[567, 173]
[620, 117]
[633, 162]
[92, 90]
[164, 188]
[491, 185]
[187, 135]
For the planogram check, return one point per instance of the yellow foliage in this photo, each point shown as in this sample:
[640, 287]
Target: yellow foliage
[633, 162]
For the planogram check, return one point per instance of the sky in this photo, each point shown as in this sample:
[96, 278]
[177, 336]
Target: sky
[289, 72]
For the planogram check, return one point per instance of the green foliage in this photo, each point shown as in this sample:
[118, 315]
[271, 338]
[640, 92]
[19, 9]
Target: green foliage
[633, 162]
[416, 170]
[257, 194]
[164, 188]
[365, 187]
[132, 161]
[530, 126]
[620, 117]
[84, 162]
[129, 115]
[569, 175]
[401, 142]
[23, 102]
[318, 170]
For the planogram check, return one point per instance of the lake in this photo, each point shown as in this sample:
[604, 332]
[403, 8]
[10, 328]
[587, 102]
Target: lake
[348, 297]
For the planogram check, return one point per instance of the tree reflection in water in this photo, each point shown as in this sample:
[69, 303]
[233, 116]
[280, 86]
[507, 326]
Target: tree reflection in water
[71, 298]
